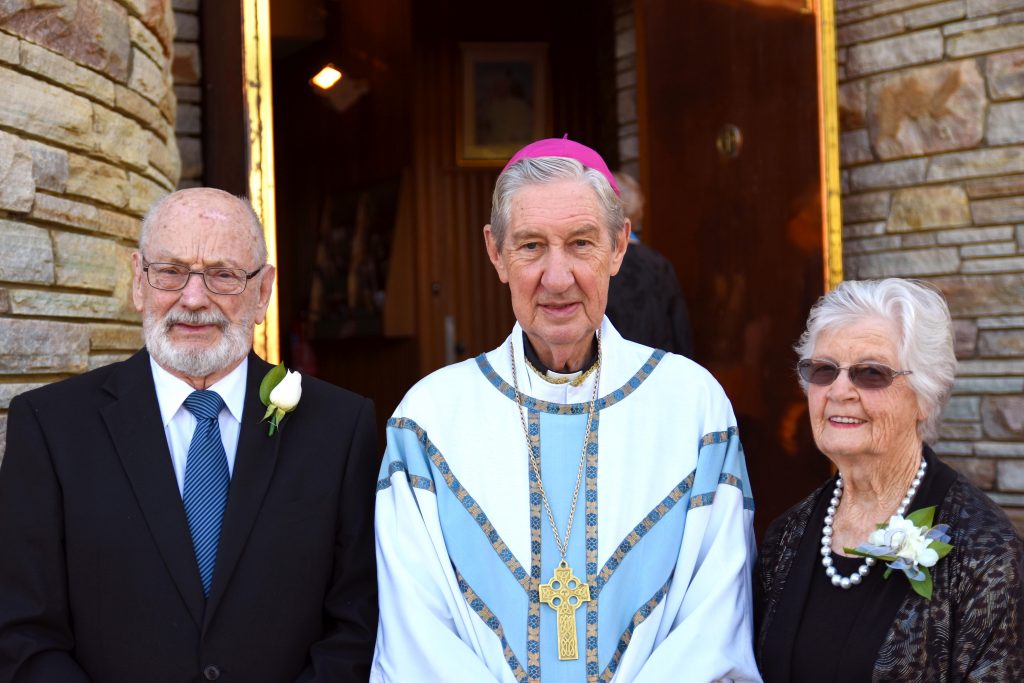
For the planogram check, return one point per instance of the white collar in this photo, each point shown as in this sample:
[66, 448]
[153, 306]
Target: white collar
[556, 377]
[172, 391]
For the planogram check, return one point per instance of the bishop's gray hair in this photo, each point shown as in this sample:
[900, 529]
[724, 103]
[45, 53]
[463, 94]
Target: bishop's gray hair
[259, 240]
[925, 343]
[542, 170]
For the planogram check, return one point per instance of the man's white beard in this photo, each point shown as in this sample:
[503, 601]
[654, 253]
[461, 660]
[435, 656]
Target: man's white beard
[191, 360]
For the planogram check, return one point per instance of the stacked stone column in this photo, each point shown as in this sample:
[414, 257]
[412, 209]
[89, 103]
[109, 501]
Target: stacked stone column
[187, 72]
[625, 86]
[87, 143]
[932, 148]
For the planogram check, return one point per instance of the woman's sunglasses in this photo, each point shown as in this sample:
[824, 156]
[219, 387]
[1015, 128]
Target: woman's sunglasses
[862, 375]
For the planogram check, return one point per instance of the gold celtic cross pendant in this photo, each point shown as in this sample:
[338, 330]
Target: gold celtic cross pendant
[564, 593]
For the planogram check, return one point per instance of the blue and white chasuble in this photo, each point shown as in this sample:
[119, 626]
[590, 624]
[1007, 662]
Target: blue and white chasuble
[662, 533]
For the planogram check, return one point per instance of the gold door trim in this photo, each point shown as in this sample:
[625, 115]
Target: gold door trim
[260, 124]
[828, 110]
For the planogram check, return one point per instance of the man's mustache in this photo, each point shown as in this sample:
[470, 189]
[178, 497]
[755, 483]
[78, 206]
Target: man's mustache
[194, 318]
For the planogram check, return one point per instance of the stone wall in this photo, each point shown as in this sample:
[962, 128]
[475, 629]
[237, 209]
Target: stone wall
[625, 85]
[932, 148]
[187, 71]
[87, 143]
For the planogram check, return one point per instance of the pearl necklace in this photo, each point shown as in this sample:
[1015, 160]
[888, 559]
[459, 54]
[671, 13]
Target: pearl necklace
[830, 517]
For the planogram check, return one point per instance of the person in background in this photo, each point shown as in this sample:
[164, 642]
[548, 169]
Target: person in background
[877, 363]
[152, 526]
[645, 301]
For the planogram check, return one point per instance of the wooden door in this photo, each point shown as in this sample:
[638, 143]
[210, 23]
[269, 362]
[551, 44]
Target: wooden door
[730, 135]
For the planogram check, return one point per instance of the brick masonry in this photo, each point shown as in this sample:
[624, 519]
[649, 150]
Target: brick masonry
[932, 154]
[187, 69]
[87, 142]
[626, 83]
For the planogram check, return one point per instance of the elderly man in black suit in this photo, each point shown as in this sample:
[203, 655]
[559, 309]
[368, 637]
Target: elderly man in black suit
[150, 527]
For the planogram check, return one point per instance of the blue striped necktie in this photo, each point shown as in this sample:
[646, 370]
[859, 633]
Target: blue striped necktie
[206, 481]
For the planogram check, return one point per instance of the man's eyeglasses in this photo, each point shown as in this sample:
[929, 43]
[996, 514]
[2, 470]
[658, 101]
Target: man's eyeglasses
[173, 277]
[862, 375]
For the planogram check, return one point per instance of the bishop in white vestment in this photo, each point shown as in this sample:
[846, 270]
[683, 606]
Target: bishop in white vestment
[570, 506]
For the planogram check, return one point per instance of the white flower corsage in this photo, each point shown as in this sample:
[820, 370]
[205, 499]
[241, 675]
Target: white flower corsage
[911, 545]
[280, 391]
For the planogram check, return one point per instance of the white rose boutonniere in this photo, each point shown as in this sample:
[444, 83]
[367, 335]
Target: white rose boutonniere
[280, 391]
[911, 545]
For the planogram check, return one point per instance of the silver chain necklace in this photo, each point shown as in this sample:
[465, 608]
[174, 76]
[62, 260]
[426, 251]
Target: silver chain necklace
[564, 592]
[563, 545]
[826, 532]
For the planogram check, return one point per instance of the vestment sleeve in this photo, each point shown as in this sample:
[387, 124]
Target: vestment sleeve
[350, 608]
[708, 630]
[36, 640]
[422, 633]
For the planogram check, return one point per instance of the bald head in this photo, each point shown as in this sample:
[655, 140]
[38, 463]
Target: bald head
[203, 204]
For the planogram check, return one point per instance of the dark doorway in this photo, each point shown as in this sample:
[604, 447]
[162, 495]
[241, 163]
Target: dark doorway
[342, 160]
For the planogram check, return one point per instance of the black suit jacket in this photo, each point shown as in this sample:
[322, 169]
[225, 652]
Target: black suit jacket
[98, 578]
[646, 304]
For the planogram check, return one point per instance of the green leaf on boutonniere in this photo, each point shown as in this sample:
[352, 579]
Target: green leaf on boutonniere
[924, 586]
[280, 391]
[864, 553]
[923, 517]
[271, 380]
[941, 548]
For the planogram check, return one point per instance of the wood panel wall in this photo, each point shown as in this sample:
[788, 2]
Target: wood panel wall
[452, 205]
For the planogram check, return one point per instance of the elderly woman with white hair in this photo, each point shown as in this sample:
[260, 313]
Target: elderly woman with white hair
[897, 568]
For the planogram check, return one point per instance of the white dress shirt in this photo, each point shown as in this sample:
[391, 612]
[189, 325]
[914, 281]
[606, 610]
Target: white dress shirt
[179, 424]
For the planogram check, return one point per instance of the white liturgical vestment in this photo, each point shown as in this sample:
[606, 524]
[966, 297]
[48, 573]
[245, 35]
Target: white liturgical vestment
[662, 532]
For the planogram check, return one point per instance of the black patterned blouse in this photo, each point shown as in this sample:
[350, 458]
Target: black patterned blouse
[971, 630]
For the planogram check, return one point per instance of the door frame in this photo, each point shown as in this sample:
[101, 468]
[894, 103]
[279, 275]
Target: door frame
[259, 120]
[828, 133]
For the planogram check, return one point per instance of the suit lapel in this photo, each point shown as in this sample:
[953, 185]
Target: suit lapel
[138, 435]
[254, 466]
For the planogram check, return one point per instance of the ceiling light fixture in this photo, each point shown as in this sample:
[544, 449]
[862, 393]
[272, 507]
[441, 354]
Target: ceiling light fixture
[326, 78]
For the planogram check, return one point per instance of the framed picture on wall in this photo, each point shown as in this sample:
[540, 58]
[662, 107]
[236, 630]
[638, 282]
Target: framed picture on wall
[504, 101]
